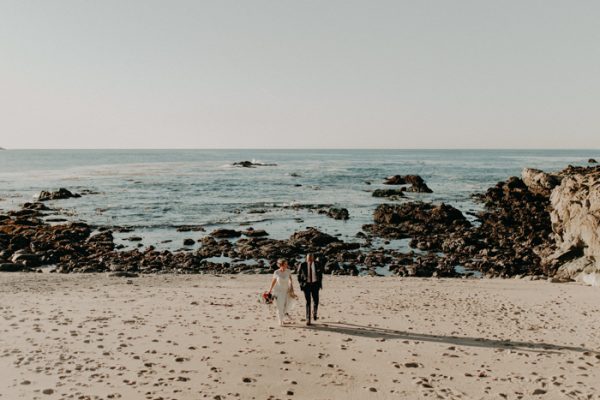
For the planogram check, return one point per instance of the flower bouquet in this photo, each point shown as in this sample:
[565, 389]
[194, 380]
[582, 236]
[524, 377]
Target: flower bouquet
[266, 298]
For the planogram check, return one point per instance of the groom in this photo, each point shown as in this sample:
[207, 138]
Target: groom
[310, 278]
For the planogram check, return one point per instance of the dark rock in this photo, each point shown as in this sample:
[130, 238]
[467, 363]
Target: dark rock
[36, 206]
[225, 233]
[251, 232]
[592, 161]
[395, 180]
[389, 193]
[311, 238]
[123, 229]
[418, 212]
[514, 227]
[27, 259]
[103, 240]
[60, 194]
[250, 164]
[428, 225]
[11, 267]
[18, 242]
[190, 228]
[336, 213]
[417, 183]
[189, 242]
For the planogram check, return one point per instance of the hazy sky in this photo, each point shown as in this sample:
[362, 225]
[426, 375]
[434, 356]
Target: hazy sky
[279, 74]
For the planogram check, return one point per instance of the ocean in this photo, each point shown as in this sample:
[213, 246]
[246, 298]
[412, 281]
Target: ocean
[155, 191]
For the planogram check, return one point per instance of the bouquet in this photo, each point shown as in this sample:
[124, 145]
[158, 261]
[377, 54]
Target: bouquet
[266, 298]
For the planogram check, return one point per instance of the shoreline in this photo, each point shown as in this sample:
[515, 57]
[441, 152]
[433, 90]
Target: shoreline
[203, 336]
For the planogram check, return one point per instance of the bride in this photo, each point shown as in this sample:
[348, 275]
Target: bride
[282, 289]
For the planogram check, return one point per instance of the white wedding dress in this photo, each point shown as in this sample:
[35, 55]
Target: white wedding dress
[281, 291]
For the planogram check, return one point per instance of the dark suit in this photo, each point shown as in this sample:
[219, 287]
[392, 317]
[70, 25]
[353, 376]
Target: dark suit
[311, 289]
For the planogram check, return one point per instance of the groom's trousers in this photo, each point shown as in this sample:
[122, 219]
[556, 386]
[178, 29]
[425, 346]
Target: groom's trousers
[311, 290]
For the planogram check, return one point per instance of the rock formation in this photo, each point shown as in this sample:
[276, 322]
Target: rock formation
[60, 194]
[417, 184]
[540, 182]
[575, 219]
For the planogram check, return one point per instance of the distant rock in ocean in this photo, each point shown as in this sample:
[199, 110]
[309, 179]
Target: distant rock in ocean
[417, 183]
[252, 164]
[2, 148]
[60, 194]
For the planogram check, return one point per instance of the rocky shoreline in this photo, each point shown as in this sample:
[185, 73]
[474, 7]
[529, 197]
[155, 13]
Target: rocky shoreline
[529, 227]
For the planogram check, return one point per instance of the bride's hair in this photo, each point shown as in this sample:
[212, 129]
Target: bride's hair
[281, 261]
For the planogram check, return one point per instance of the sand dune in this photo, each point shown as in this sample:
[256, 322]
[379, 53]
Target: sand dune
[207, 337]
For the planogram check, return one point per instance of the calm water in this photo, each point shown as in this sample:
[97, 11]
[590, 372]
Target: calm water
[156, 190]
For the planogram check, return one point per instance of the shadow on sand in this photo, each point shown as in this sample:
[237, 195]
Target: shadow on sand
[388, 334]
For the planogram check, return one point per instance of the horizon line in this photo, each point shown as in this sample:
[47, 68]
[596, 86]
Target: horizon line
[304, 148]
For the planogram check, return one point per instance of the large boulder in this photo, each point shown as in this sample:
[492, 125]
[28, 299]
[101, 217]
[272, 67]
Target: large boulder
[575, 220]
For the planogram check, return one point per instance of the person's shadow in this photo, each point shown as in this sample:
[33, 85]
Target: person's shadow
[388, 334]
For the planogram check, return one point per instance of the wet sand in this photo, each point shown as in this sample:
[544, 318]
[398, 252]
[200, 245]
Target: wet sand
[207, 337]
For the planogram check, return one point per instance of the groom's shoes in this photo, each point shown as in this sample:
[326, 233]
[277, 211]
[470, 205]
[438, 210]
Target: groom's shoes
[315, 317]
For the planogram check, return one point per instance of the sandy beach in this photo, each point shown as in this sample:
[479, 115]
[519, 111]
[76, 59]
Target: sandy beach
[202, 336]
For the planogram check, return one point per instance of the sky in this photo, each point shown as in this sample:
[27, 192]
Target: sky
[299, 74]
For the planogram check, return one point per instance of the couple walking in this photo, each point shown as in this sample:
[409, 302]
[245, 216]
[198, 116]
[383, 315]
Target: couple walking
[310, 278]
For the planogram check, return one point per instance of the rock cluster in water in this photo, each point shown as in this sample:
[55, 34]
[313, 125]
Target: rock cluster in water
[417, 184]
[60, 194]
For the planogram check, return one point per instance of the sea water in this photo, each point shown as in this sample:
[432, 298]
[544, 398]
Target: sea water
[155, 191]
